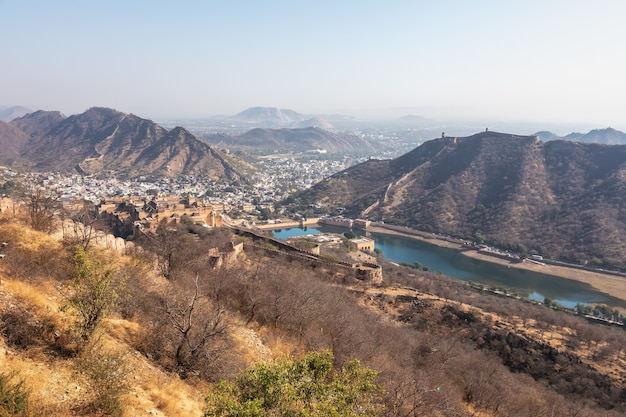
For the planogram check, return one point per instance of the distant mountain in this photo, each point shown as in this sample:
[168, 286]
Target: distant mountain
[39, 123]
[606, 136]
[9, 113]
[272, 117]
[266, 141]
[546, 136]
[102, 139]
[12, 140]
[268, 116]
[412, 118]
[562, 199]
[316, 122]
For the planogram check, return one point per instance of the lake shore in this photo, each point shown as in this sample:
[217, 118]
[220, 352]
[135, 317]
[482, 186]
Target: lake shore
[614, 285]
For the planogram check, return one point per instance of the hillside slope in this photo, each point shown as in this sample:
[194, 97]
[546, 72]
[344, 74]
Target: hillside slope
[268, 117]
[101, 140]
[465, 354]
[439, 347]
[306, 139]
[561, 199]
[12, 140]
[9, 113]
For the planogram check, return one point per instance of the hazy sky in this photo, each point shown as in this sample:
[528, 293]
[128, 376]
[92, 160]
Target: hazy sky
[521, 60]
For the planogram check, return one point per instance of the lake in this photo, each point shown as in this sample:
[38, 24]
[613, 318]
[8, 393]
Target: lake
[453, 263]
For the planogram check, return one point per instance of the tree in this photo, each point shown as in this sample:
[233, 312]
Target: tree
[172, 247]
[196, 321]
[42, 204]
[548, 301]
[265, 214]
[298, 388]
[96, 290]
[83, 215]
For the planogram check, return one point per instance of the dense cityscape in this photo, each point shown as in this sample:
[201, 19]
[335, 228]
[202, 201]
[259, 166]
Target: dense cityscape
[275, 181]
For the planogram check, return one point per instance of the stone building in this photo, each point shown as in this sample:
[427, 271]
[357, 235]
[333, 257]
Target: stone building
[363, 243]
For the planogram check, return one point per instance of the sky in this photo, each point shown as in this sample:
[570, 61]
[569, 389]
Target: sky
[547, 60]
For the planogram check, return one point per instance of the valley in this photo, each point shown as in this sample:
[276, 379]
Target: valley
[422, 332]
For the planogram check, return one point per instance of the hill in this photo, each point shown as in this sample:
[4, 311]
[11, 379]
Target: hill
[437, 347]
[38, 124]
[560, 199]
[101, 140]
[9, 113]
[12, 140]
[316, 122]
[268, 141]
[268, 117]
[606, 136]
[274, 118]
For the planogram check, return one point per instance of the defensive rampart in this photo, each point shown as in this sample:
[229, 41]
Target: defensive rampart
[364, 271]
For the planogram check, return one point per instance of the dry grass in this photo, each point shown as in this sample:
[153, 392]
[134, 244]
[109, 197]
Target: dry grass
[123, 331]
[562, 338]
[57, 388]
[251, 348]
[278, 345]
[42, 296]
[173, 397]
[56, 384]
[54, 387]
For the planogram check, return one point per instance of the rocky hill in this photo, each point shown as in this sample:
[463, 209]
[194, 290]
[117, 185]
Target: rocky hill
[38, 124]
[267, 141]
[11, 142]
[561, 199]
[608, 136]
[274, 118]
[268, 117]
[9, 113]
[101, 140]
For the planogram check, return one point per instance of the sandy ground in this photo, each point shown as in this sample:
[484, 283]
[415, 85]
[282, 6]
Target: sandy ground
[611, 284]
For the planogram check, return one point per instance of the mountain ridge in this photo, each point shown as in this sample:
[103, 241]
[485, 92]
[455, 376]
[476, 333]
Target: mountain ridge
[302, 139]
[102, 139]
[607, 136]
[559, 198]
[274, 117]
[9, 113]
[268, 115]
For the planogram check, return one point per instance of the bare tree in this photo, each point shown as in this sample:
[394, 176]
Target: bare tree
[195, 320]
[174, 248]
[42, 204]
[84, 215]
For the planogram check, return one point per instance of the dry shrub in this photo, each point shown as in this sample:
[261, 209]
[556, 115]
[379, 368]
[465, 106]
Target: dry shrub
[14, 397]
[106, 372]
[53, 388]
[24, 324]
[174, 398]
[20, 328]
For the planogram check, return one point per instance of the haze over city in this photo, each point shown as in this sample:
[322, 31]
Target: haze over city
[556, 61]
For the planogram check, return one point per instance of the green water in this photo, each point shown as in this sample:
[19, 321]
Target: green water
[452, 263]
